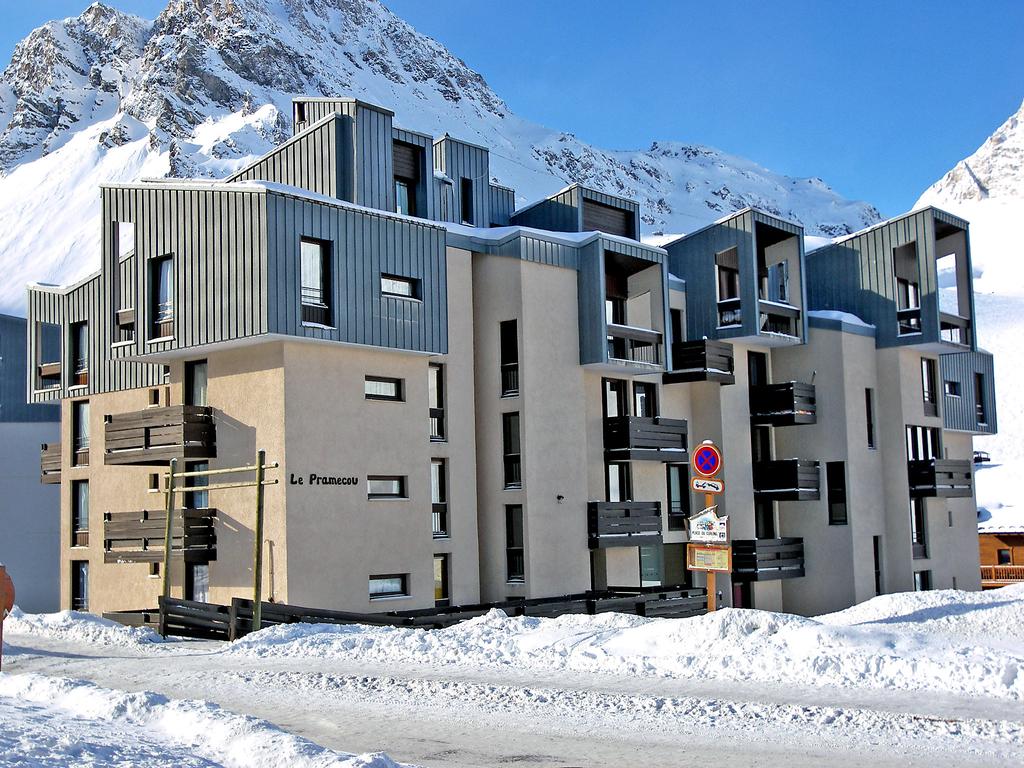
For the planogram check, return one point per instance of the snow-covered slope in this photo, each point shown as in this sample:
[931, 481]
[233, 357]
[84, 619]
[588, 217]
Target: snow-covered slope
[207, 85]
[987, 189]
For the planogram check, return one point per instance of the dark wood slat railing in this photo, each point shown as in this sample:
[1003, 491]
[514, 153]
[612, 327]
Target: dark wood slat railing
[943, 478]
[783, 404]
[787, 480]
[767, 559]
[157, 435]
[623, 523]
[645, 438]
[138, 537]
[49, 463]
[701, 360]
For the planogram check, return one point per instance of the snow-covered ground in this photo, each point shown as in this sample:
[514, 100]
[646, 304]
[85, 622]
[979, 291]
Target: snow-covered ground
[930, 679]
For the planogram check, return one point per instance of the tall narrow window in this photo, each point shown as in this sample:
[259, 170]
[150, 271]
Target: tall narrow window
[79, 585]
[778, 282]
[728, 286]
[918, 529]
[80, 433]
[869, 413]
[645, 402]
[441, 595]
[979, 399]
[196, 380]
[764, 519]
[618, 481]
[510, 439]
[877, 552]
[405, 197]
[466, 189]
[79, 354]
[406, 160]
[615, 402]
[439, 497]
[161, 270]
[314, 288]
[198, 499]
[929, 390]
[80, 513]
[436, 396]
[197, 582]
[678, 496]
[835, 479]
[509, 332]
[515, 561]
[923, 443]
[922, 581]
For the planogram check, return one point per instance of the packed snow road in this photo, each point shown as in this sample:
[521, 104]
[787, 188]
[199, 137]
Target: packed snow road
[744, 688]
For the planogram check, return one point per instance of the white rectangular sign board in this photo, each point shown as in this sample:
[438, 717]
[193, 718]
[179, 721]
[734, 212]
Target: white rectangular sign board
[708, 528]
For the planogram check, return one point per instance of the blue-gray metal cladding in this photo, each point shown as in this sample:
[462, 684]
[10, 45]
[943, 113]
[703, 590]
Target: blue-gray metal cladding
[857, 275]
[502, 204]
[311, 160]
[461, 160]
[590, 301]
[959, 412]
[426, 194]
[612, 201]
[14, 368]
[564, 210]
[374, 172]
[364, 245]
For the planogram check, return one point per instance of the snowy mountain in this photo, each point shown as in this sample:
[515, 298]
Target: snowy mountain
[206, 86]
[987, 189]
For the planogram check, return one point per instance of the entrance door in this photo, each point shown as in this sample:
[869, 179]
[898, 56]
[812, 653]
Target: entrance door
[757, 368]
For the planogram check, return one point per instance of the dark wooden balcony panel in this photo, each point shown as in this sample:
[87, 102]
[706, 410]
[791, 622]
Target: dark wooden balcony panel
[138, 537]
[50, 371]
[787, 480]
[126, 318]
[49, 463]
[702, 360]
[645, 438]
[157, 435]
[943, 478]
[623, 523]
[784, 404]
[767, 559]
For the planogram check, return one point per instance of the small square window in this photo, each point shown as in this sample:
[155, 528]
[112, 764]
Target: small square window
[384, 388]
[952, 388]
[1005, 557]
[154, 570]
[154, 481]
[400, 287]
[154, 396]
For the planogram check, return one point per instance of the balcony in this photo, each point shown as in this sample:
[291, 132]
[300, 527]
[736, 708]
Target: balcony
[634, 346]
[730, 313]
[49, 375]
[138, 537]
[49, 463]
[623, 523]
[954, 329]
[908, 321]
[439, 520]
[941, 478]
[157, 435]
[993, 576]
[702, 360]
[787, 480]
[644, 439]
[767, 559]
[776, 318]
[783, 405]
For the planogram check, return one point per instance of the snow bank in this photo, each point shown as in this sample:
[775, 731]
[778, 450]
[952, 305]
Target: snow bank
[873, 648]
[62, 722]
[1000, 502]
[72, 626]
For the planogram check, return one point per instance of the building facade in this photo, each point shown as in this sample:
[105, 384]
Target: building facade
[470, 402]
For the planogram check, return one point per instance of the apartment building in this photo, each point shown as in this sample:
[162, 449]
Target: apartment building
[470, 402]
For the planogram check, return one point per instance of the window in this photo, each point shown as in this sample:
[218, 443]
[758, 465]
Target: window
[435, 402]
[154, 396]
[979, 398]
[1004, 557]
[923, 443]
[922, 581]
[951, 388]
[511, 447]
[618, 481]
[650, 565]
[385, 487]
[154, 570]
[48, 355]
[439, 497]
[197, 499]
[196, 378]
[764, 519]
[80, 433]
[79, 354]
[399, 287]
[197, 582]
[393, 585]
[161, 271]
[406, 159]
[918, 529]
[466, 189]
[315, 281]
[79, 585]
[645, 402]
[728, 286]
[441, 595]
[929, 392]
[124, 238]
[300, 112]
[509, 333]
[877, 552]
[835, 479]
[405, 197]
[869, 413]
[778, 282]
[615, 403]
[383, 388]
[678, 496]
[515, 561]
[79, 513]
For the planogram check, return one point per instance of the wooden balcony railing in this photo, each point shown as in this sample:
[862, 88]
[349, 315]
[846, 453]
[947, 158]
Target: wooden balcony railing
[1000, 575]
[138, 537]
[645, 439]
[942, 478]
[955, 329]
[787, 480]
[49, 463]
[781, 405]
[779, 319]
[701, 360]
[767, 559]
[623, 523]
[634, 345]
[157, 435]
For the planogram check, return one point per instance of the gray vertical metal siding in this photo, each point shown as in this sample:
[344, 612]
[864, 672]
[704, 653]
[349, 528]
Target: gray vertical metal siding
[364, 245]
[14, 367]
[612, 201]
[559, 213]
[374, 172]
[317, 109]
[457, 160]
[958, 412]
[590, 302]
[426, 196]
[502, 204]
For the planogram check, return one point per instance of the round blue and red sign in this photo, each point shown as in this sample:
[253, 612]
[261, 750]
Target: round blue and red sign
[707, 460]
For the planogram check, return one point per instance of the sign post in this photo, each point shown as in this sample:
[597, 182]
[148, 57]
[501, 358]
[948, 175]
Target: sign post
[6, 604]
[709, 550]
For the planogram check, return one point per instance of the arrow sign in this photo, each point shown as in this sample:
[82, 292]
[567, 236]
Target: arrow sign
[707, 485]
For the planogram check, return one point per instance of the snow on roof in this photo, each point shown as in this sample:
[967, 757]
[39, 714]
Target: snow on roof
[843, 317]
[501, 234]
[998, 491]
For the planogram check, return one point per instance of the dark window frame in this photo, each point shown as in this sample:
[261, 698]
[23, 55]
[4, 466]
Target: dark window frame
[980, 408]
[78, 347]
[191, 366]
[81, 433]
[397, 397]
[869, 416]
[315, 301]
[919, 529]
[402, 592]
[466, 189]
[508, 345]
[162, 314]
[414, 284]
[79, 514]
[929, 386]
[515, 544]
[836, 493]
[436, 407]
[620, 389]
[401, 493]
[650, 390]
[444, 599]
[512, 465]
[439, 499]
[80, 585]
[678, 512]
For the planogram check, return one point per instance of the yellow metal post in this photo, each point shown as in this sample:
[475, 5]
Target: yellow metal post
[709, 501]
[168, 539]
[257, 554]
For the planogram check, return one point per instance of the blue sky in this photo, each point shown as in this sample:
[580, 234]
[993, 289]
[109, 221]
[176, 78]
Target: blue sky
[879, 101]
